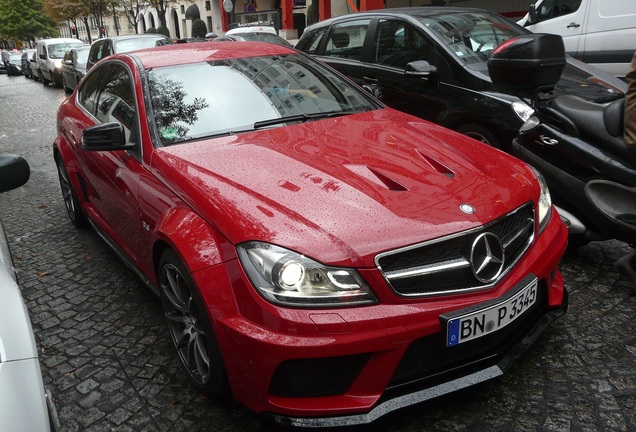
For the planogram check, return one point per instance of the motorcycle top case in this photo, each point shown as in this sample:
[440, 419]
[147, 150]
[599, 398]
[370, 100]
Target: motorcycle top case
[530, 63]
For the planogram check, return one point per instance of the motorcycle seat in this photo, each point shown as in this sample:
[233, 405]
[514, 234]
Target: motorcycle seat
[602, 124]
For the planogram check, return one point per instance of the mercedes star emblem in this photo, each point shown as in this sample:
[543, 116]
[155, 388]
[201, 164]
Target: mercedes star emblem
[487, 257]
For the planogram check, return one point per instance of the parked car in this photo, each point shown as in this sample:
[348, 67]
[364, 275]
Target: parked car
[25, 61]
[15, 63]
[35, 70]
[257, 26]
[104, 47]
[599, 32]
[74, 67]
[254, 37]
[24, 404]
[431, 62]
[320, 256]
[50, 53]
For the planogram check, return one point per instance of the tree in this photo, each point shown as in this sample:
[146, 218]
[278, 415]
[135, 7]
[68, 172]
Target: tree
[134, 10]
[25, 20]
[199, 29]
[162, 9]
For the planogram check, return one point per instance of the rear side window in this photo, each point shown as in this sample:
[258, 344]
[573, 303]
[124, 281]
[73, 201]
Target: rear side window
[347, 39]
[311, 46]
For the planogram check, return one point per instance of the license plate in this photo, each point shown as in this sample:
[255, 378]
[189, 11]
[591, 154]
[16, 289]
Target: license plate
[465, 326]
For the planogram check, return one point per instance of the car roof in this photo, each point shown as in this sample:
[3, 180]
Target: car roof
[204, 52]
[135, 36]
[417, 11]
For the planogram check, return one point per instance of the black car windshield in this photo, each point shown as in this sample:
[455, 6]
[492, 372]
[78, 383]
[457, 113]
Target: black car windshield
[471, 36]
[82, 57]
[133, 44]
[238, 95]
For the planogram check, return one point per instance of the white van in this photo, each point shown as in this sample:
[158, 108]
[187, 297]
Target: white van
[599, 32]
[49, 55]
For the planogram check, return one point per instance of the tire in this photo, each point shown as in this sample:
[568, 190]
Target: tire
[72, 204]
[44, 80]
[479, 133]
[67, 89]
[190, 328]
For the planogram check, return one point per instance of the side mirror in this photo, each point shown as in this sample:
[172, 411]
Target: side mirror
[105, 137]
[532, 15]
[420, 69]
[14, 172]
[374, 89]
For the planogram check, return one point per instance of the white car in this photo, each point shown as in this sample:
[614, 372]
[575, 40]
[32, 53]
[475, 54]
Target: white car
[24, 402]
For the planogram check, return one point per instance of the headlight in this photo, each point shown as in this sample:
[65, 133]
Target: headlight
[291, 279]
[57, 64]
[522, 110]
[544, 210]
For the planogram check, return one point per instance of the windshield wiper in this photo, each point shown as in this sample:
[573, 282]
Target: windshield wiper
[299, 118]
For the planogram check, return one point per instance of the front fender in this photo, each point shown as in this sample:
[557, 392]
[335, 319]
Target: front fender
[196, 242]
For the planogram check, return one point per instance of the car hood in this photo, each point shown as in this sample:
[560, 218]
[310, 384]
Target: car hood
[346, 188]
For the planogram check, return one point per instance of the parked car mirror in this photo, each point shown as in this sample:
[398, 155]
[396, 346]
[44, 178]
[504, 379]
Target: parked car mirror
[423, 70]
[532, 15]
[14, 171]
[374, 89]
[105, 137]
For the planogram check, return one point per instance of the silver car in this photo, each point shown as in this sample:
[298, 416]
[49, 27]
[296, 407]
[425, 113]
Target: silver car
[24, 403]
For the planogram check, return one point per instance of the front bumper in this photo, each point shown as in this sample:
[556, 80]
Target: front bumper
[317, 368]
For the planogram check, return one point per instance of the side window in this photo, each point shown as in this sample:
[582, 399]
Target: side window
[89, 90]
[347, 39]
[314, 41]
[397, 43]
[116, 101]
[555, 8]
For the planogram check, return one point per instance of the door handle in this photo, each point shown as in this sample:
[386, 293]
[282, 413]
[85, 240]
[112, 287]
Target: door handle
[574, 25]
[370, 80]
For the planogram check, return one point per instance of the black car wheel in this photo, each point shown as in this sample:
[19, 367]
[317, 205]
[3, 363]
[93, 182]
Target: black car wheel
[189, 327]
[479, 133]
[67, 89]
[73, 207]
[44, 80]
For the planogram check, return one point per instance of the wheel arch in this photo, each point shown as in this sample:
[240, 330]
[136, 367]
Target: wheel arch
[192, 238]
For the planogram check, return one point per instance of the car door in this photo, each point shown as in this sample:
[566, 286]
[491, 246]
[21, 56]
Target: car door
[344, 47]
[114, 176]
[394, 44]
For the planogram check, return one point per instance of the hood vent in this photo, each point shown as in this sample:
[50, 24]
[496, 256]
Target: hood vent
[388, 182]
[437, 166]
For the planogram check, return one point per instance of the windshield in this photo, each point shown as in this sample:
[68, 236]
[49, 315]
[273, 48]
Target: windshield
[471, 36]
[57, 51]
[238, 95]
[82, 57]
[127, 45]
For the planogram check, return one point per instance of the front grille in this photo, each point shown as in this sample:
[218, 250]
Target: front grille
[443, 266]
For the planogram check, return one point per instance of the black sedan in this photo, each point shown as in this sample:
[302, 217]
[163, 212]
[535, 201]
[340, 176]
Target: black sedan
[74, 67]
[26, 63]
[15, 64]
[431, 62]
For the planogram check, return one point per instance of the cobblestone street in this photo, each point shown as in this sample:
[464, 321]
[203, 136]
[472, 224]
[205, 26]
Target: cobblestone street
[110, 365]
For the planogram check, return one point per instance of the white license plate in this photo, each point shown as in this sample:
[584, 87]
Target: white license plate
[475, 324]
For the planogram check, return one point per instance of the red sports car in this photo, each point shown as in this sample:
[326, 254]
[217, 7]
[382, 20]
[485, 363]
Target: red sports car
[320, 256]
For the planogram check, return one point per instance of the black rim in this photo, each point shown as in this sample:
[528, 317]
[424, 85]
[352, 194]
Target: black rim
[185, 324]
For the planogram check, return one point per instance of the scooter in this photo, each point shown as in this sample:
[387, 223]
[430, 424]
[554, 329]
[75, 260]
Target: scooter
[577, 145]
